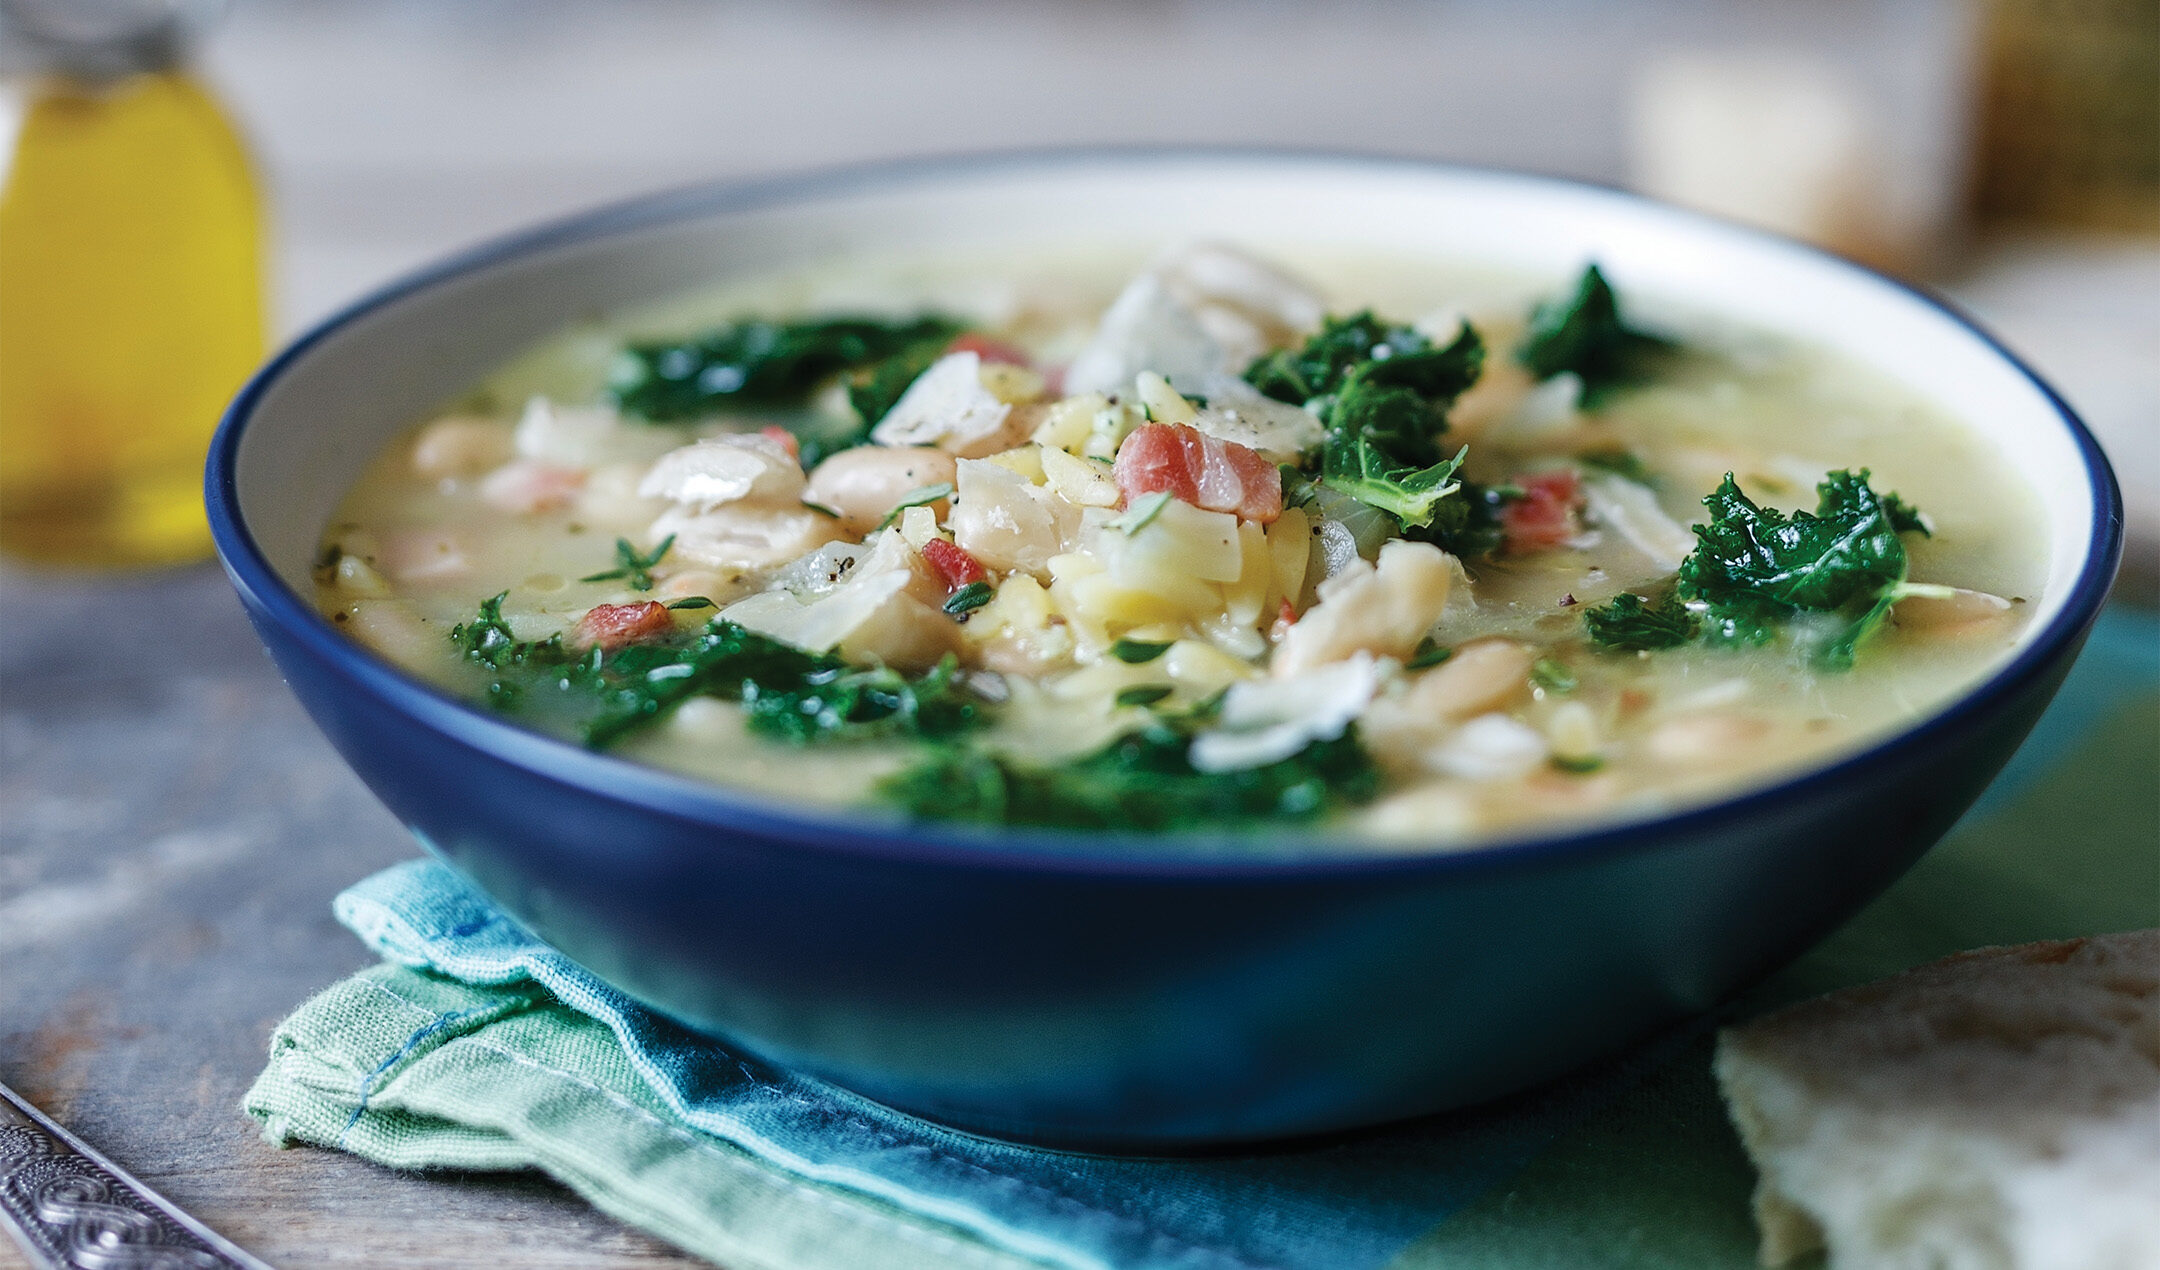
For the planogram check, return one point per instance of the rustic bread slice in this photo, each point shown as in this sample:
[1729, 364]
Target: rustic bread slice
[1998, 1108]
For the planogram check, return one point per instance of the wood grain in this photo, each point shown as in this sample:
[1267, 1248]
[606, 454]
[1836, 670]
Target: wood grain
[171, 832]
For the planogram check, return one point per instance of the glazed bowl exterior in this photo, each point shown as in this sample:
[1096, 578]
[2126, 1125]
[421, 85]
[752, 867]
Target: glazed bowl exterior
[1134, 994]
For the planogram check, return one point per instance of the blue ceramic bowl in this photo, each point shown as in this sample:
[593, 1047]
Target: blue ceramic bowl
[1134, 994]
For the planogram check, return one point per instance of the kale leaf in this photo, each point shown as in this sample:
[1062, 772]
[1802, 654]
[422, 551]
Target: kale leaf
[847, 703]
[1382, 392]
[1362, 470]
[1630, 623]
[1468, 526]
[1756, 568]
[1625, 464]
[1143, 780]
[764, 363]
[1319, 366]
[801, 697]
[1584, 332]
[488, 642]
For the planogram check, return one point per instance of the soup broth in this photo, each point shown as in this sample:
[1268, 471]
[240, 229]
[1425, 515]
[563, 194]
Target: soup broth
[1196, 540]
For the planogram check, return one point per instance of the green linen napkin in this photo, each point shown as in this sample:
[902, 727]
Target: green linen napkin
[483, 1067]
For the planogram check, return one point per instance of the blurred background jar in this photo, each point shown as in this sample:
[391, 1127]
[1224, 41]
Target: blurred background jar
[131, 280]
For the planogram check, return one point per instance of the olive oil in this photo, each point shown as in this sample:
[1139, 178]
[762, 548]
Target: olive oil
[131, 308]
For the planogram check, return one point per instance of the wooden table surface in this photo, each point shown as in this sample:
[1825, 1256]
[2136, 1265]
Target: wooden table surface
[171, 830]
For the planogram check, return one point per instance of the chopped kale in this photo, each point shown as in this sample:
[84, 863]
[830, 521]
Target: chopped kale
[1756, 568]
[1429, 653]
[846, 703]
[1318, 367]
[632, 567]
[1411, 495]
[1903, 516]
[1143, 694]
[969, 598]
[1468, 526]
[1134, 651]
[1584, 332]
[1631, 623]
[1398, 404]
[920, 496]
[1625, 464]
[1553, 676]
[488, 641]
[787, 693]
[1141, 781]
[762, 363]
[1383, 393]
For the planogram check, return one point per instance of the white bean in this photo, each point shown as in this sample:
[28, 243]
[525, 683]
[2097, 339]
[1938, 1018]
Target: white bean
[1572, 731]
[610, 498]
[1956, 611]
[742, 535]
[525, 487]
[1707, 738]
[721, 586]
[1483, 675]
[460, 445]
[864, 484]
[392, 627]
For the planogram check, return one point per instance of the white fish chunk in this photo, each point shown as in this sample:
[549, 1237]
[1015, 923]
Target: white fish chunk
[1384, 611]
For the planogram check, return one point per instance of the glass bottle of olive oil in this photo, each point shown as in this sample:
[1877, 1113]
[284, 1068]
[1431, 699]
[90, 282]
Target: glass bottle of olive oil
[131, 290]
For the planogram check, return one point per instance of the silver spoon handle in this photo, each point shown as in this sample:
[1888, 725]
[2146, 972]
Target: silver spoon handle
[72, 1209]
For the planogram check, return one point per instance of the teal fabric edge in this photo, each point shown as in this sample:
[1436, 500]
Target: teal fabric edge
[1271, 1209]
[462, 1084]
[1514, 1152]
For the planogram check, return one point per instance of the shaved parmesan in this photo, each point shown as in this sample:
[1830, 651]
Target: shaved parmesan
[705, 474]
[1145, 329]
[947, 406]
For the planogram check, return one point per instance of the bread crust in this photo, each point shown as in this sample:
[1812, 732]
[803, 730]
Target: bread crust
[1997, 1108]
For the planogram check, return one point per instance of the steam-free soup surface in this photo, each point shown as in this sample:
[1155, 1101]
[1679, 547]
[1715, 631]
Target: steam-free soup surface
[1197, 540]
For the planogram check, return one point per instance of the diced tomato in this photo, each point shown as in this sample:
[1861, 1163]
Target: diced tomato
[612, 626]
[1546, 516]
[1285, 618]
[1208, 472]
[954, 566]
[786, 439]
[990, 350]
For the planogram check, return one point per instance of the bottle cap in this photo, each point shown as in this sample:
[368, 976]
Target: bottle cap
[101, 39]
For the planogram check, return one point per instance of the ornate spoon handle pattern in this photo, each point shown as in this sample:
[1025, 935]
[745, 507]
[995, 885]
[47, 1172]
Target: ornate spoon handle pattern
[72, 1209]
